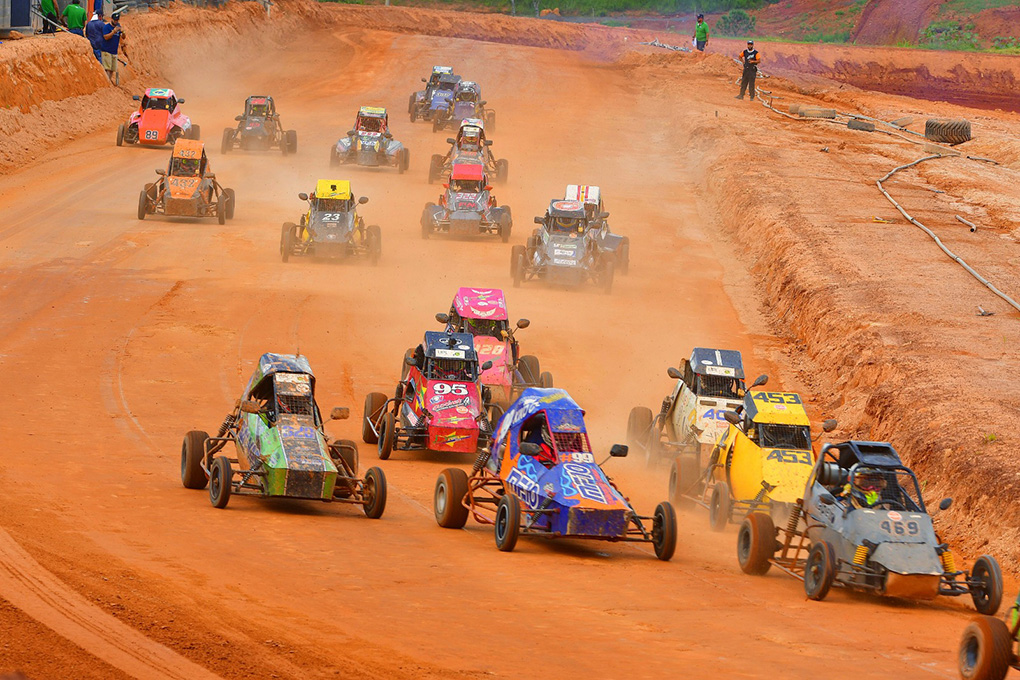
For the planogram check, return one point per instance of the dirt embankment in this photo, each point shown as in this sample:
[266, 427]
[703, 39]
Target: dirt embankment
[892, 23]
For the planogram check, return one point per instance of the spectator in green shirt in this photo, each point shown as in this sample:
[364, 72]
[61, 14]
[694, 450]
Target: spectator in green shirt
[701, 33]
[74, 15]
[49, 10]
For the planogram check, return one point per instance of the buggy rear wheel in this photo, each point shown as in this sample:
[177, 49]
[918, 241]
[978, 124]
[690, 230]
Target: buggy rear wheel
[639, 426]
[220, 477]
[608, 273]
[373, 492]
[756, 544]
[410, 105]
[683, 476]
[987, 596]
[192, 453]
[985, 649]
[530, 370]
[231, 201]
[227, 145]
[447, 501]
[143, 205]
[386, 435]
[437, 125]
[374, 403]
[120, 135]
[435, 167]
[720, 508]
[819, 570]
[546, 380]
[291, 138]
[664, 531]
[518, 269]
[374, 239]
[516, 253]
[221, 209]
[502, 170]
[505, 227]
[508, 522]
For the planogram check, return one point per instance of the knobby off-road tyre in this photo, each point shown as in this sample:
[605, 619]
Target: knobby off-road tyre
[986, 649]
[505, 227]
[231, 201]
[291, 139]
[410, 105]
[435, 167]
[447, 501]
[516, 253]
[221, 209]
[374, 493]
[386, 435]
[683, 475]
[720, 507]
[502, 170]
[608, 274]
[664, 531]
[947, 130]
[639, 427]
[426, 221]
[530, 370]
[143, 205]
[220, 477]
[819, 570]
[374, 239]
[508, 523]
[987, 599]
[856, 124]
[120, 135]
[623, 261]
[227, 145]
[192, 452]
[756, 544]
[286, 241]
[373, 403]
[545, 380]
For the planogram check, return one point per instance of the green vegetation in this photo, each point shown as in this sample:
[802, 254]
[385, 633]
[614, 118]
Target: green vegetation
[973, 6]
[590, 8]
[736, 22]
[950, 35]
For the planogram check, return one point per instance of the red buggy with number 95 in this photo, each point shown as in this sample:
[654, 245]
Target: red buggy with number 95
[439, 404]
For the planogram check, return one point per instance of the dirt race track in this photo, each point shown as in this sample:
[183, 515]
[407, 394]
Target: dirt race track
[118, 336]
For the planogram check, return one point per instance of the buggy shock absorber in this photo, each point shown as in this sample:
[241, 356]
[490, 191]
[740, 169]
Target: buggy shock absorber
[948, 561]
[791, 525]
[760, 497]
[480, 460]
[861, 555]
[228, 422]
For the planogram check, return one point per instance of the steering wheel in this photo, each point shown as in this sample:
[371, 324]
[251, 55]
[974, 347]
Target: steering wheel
[889, 504]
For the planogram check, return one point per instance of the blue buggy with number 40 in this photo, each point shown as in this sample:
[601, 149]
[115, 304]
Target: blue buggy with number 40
[862, 524]
[541, 479]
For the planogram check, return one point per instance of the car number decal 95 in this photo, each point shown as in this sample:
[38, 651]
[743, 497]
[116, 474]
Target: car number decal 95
[455, 389]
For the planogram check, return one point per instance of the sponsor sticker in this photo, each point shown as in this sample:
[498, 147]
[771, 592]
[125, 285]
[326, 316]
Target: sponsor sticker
[466, 401]
[292, 377]
[584, 480]
[450, 354]
[895, 516]
[720, 370]
[564, 263]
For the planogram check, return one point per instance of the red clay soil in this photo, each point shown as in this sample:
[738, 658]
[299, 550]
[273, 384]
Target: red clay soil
[997, 22]
[891, 23]
[120, 335]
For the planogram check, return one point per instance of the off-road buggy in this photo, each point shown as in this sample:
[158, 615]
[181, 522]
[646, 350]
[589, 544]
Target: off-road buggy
[481, 312]
[991, 646]
[158, 120]
[439, 100]
[759, 464]
[259, 127]
[562, 251]
[598, 223]
[369, 143]
[187, 188]
[467, 208]
[466, 103]
[469, 146]
[331, 228]
[280, 447]
[439, 404]
[419, 106]
[691, 419]
[862, 524]
[541, 479]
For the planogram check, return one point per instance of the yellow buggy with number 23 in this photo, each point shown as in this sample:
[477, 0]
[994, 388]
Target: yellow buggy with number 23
[760, 463]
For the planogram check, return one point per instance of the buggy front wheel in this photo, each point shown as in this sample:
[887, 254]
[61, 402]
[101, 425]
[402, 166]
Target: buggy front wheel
[508, 522]
[819, 570]
[286, 241]
[221, 209]
[756, 544]
[608, 272]
[985, 649]
[143, 205]
[664, 531]
[192, 453]
[291, 140]
[120, 135]
[374, 403]
[231, 201]
[386, 433]
[227, 145]
[988, 595]
[220, 478]
[639, 426]
[373, 493]
[720, 507]
[373, 238]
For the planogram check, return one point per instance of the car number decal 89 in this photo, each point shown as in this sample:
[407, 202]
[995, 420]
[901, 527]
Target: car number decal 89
[908, 528]
[151, 134]
[450, 354]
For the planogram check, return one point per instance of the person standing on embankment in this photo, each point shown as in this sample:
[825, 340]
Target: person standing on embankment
[750, 59]
[701, 33]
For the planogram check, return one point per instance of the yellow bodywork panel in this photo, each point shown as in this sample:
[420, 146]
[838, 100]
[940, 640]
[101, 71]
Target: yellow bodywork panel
[746, 465]
[333, 188]
[373, 110]
[783, 408]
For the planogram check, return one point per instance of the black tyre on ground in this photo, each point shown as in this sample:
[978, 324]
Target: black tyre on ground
[374, 238]
[195, 132]
[410, 105]
[639, 427]
[516, 252]
[143, 205]
[756, 544]
[530, 369]
[286, 241]
[373, 492]
[947, 130]
[221, 209]
[608, 274]
[426, 221]
[227, 145]
[505, 227]
[508, 522]
[231, 202]
[291, 138]
[820, 570]
[664, 531]
[220, 477]
[857, 124]
[546, 380]
[447, 501]
[720, 507]
[374, 403]
[192, 452]
[386, 434]
[120, 135]
[623, 259]
[502, 170]
[986, 649]
[988, 597]
[517, 267]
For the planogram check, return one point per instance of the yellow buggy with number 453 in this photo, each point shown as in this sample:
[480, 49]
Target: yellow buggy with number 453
[759, 464]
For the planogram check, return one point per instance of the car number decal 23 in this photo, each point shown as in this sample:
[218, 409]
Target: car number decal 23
[790, 456]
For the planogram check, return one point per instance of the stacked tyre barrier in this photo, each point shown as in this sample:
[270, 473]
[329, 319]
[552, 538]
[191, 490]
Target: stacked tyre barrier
[947, 130]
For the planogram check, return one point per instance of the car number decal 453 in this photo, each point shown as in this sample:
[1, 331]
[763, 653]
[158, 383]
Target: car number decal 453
[790, 456]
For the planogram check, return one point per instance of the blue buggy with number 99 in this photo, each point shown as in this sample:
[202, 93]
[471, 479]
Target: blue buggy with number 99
[862, 524]
[541, 479]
